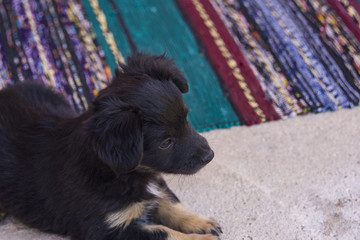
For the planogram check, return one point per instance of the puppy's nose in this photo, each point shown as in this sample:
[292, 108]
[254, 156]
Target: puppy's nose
[208, 157]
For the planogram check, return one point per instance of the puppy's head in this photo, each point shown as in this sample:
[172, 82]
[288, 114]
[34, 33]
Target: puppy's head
[140, 119]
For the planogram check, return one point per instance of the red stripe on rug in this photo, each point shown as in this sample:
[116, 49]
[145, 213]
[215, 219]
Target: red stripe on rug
[346, 18]
[250, 79]
[246, 71]
[215, 55]
[355, 4]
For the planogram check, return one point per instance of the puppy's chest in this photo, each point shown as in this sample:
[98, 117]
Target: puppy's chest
[151, 205]
[143, 212]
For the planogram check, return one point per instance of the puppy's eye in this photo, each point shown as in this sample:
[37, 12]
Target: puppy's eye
[166, 144]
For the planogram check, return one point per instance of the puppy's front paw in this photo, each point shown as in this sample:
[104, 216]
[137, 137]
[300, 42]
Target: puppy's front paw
[178, 217]
[176, 235]
[202, 237]
[201, 224]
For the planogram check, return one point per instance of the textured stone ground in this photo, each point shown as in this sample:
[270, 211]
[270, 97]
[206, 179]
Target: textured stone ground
[284, 180]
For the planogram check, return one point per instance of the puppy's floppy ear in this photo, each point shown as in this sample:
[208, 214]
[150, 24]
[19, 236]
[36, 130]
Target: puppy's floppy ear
[116, 134]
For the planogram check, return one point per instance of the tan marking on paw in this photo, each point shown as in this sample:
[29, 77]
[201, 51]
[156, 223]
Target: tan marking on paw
[177, 216]
[123, 217]
[175, 235]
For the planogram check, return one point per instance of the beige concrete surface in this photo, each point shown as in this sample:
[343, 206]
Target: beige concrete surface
[284, 180]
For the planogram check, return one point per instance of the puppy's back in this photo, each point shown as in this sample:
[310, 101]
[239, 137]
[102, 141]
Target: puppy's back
[28, 114]
[28, 101]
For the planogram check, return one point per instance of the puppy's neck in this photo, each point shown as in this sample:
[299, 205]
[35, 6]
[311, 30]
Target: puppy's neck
[73, 137]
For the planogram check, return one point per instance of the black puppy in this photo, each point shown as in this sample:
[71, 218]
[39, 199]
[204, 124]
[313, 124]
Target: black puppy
[97, 175]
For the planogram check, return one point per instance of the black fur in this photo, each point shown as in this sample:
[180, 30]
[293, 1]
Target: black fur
[63, 173]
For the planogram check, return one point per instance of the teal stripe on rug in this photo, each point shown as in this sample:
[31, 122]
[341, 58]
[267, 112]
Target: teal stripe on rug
[113, 25]
[157, 26]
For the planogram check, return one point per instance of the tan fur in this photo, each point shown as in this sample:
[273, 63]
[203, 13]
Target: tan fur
[179, 222]
[124, 217]
[177, 216]
[175, 235]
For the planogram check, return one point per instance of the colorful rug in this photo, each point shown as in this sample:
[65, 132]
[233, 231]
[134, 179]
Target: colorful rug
[247, 61]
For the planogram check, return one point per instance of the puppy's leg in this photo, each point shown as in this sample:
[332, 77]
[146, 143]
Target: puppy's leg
[175, 235]
[178, 217]
[154, 232]
[136, 231]
[132, 228]
[132, 223]
[172, 213]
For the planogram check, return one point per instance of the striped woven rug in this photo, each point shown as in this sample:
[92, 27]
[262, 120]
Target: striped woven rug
[247, 61]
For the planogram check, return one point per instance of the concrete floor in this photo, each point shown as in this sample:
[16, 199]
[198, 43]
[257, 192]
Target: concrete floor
[284, 180]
